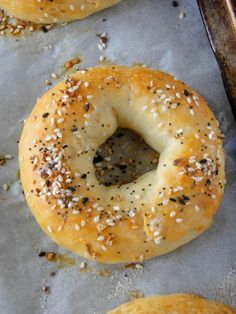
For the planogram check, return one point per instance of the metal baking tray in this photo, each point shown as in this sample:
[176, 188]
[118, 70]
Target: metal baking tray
[219, 17]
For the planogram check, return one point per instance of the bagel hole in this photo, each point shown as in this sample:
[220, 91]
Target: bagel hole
[123, 158]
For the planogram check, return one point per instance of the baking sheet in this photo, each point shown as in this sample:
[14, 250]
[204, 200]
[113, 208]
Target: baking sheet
[149, 32]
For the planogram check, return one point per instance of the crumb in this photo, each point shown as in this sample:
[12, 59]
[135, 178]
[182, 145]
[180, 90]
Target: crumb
[104, 273]
[45, 289]
[69, 64]
[135, 294]
[83, 265]
[101, 58]
[54, 76]
[47, 83]
[41, 254]
[49, 47]
[5, 187]
[182, 15]
[50, 255]
[103, 40]
[2, 160]
[175, 4]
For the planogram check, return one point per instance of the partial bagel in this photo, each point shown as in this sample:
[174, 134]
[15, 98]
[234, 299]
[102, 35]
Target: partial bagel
[57, 11]
[157, 213]
[173, 304]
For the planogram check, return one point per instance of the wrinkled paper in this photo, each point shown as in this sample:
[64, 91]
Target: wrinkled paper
[148, 32]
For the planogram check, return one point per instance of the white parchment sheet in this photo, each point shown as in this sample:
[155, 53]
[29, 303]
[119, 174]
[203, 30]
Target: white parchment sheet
[139, 31]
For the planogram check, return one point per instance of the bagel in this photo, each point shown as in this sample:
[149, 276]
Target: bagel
[173, 304]
[160, 211]
[54, 11]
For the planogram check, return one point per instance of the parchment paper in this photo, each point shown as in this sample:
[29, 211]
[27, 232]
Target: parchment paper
[139, 31]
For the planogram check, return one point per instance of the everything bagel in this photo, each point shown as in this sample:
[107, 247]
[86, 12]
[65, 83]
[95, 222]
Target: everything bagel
[54, 11]
[176, 303]
[161, 210]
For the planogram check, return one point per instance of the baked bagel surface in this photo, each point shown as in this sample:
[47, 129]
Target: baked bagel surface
[173, 304]
[54, 11]
[161, 210]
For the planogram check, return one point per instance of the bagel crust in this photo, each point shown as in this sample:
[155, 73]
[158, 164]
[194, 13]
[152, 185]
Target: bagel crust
[54, 11]
[161, 210]
[173, 304]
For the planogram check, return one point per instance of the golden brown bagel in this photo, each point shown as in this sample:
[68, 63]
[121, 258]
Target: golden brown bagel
[173, 304]
[54, 11]
[164, 208]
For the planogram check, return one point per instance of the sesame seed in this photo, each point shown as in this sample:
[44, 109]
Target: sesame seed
[131, 213]
[75, 199]
[75, 212]
[101, 58]
[158, 240]
[83, 223]
[77, 227]
[172, 213]
[83, 265]
[179, 220]
[182, 15]
[117, 208]
[165, 202]
[104, 248]
[5, 187]
[59, 228]
[197, 179]
[156, 234]
[189, 100]
[96, 219]
[54, 75]
[163, 96]
[100, 46]
[110, 222]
